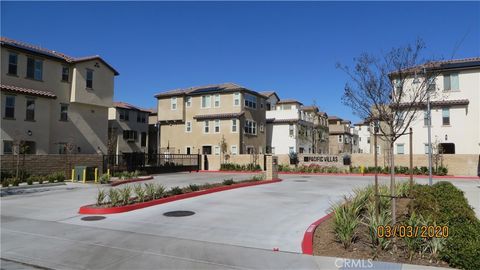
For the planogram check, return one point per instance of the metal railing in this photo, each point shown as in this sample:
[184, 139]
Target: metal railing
[151, 163]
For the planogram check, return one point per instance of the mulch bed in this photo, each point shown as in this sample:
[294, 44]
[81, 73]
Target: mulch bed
[325, 244]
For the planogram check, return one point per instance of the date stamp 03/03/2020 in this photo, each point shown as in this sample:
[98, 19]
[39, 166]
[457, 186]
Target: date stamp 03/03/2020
[404, 231]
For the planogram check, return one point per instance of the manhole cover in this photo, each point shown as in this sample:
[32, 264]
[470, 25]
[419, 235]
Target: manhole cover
[179, 213]
[92, 218]
[301, 181]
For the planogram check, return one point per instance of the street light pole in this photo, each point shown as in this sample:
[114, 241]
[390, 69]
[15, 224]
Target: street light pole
[429, 116]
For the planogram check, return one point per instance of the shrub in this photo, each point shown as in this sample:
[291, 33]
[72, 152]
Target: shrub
[345, 221]
[193, 187]
[125, 194]
[176, 191]
[159, 191]
[228, 182]
[206, 186]
[41, 179]
[30, 180]
[101, 195]
[150, 190]
[372, 222]
[414, 244]
[104, 178]
[114, 197]
[5, 182]
[15, 182]
[139, 192]
[258, 177]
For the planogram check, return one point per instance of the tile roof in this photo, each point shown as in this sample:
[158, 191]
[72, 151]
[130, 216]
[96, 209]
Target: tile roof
[289, 100]
[61, 56]
[436, 103]
[310, 108]
[218, 116]
[444, 64]
[334, 117]
[124, 105]
[204, 89]
[27, 91]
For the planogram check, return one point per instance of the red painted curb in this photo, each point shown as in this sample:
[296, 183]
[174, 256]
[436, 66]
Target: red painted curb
[382, 174]
[116, 183]
[237, 172]
[89, 210]
[307, 242]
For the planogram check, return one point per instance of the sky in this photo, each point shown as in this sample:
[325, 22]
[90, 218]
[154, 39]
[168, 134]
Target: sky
[289, 47]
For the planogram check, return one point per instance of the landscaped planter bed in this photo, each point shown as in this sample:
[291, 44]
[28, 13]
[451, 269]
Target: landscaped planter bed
[131, 180]
[187, 192]
[439, 205]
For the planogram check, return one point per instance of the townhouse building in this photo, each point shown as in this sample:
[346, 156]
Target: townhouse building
[340, 136]
[364, 136]
[355, 140]
[153, 132]
[208, 119]
[52, 103]
[127, 129]
[455, 109]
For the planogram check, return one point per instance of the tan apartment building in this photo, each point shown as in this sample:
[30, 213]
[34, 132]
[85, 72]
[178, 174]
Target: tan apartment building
[127, 129]
[195, 120]
[340, 136]
[53, 103]
[320, 132]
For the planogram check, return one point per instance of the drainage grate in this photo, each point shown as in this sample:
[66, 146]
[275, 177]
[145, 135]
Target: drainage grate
[93, 218]
[301, 181]
[179, 213]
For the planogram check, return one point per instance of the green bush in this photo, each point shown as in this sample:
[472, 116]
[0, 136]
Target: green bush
[150, 190]
[114, 197]
[194, 187]
[104, 178]
[258, 177]
[238, 167]
[159, 191]
[139, 192]
[345, 221]
[15, 182]
[228, 182]
[176, 191]
[101, 196]
[125, 194]
[5, 182]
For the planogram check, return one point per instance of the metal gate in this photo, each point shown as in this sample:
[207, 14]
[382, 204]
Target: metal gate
[151, 163]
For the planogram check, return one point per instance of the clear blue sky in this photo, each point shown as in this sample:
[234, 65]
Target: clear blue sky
[289, 47]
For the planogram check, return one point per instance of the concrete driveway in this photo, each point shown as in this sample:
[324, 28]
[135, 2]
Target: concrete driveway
[231, 229]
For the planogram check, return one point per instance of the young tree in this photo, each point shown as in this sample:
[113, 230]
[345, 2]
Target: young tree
[223, 148]
[390, 89]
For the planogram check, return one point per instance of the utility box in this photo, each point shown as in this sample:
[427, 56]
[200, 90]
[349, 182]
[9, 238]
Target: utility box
[90, 173]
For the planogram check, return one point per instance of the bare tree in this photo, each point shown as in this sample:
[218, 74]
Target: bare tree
[390, 89]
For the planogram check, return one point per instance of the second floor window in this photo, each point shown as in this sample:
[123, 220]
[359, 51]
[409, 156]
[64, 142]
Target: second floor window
[400, 149]
[291, 130]
[34, 69]
[250, 101]
[188, 127]
[446, 116]
[12, 63]
[206, 127]
[130, 135]
[450, 82]
[124, 115]
[141, 117]
[89, 78]
[217, 126]
[65, 73]
[234, 125]
[340, 138]
[9, 107]
[236, 99]
[188, 101]
[63, 112]
[30, 110]
[206, 101]
[173, 103]
[250, 127]
[217, 101]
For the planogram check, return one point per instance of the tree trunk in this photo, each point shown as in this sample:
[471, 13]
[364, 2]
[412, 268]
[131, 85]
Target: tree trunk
[392, 183]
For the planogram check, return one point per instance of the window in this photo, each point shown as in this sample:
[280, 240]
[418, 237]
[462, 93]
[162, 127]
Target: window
[9, 107]
[286, 107]
[141, 117]
[12, 63]
[368, 139]
[236, 99]
[30, 111]
[188, 127]
[291, 130]
[450, 82]
[124, 115]
[250, 101]
[426, 148]
[250, 127]
[234, 125]
[143, 139]
[431, 84]
[217, 126]
[63, 112]
[400, 148]
[130, 135]
[250, 150]
[446, 116]
[261, 128]
[65, 73]
[234, 150]
[290, 149]
[272, 150]
[217, 150]
[217, 101]
[206, 128]
[340, 138]
[206, 101]
[188, 101]
[34, 69]
[89, 78]
[173, 103]
[7, 147]
[425, 118]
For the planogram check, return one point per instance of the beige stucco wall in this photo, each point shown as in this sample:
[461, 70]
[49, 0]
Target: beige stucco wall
[118, 126]
[457, 164]
[102, 92]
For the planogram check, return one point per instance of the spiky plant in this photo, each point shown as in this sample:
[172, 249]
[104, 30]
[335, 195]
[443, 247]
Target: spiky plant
[193, 187]
[101, 195]
[159, 191]
[414, 244]
[150, 190]
[125, 194]
[139, 192]
[345, 221]
[372, 223]
[114, 197]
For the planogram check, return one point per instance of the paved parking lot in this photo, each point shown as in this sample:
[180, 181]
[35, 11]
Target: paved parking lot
[231, 229]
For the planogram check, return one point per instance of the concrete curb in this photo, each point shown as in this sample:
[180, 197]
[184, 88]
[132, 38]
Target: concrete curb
[307, 242]
[236, 172]
[121, 182]
[383, 174]
[32, 186]
[92, 210]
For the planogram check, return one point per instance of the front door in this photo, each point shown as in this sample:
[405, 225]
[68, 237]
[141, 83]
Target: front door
[188, 151]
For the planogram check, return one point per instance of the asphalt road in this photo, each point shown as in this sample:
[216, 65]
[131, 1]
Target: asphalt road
[229, 230]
